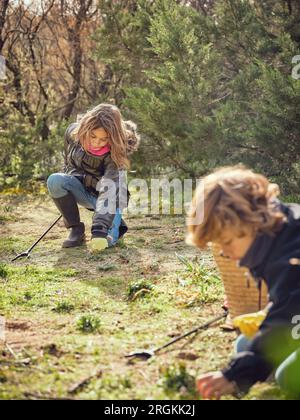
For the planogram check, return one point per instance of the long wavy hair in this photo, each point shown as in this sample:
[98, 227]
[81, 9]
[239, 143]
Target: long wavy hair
[123, 137]
[235, 198]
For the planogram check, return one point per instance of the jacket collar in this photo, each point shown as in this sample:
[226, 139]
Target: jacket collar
[262, 245]
[258, 251]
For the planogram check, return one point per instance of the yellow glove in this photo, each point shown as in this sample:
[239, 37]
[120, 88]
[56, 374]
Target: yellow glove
[249, 324]
[98, 244]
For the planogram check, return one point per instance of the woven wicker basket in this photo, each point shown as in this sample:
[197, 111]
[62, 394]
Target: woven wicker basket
[240, 287]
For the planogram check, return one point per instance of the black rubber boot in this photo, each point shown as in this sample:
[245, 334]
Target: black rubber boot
[68, 207]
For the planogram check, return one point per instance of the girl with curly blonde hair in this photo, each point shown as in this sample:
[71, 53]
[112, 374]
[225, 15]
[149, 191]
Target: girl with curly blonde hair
[97, 150]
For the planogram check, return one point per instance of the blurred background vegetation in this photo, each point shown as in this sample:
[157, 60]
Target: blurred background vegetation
[209, 83]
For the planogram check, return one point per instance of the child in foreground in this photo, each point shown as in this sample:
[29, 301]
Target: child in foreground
[239, 210]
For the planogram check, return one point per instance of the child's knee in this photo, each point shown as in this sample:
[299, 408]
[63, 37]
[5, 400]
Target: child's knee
[287, 375]
[283, 379]
[241, 344]
[279, 376]
[55, 185]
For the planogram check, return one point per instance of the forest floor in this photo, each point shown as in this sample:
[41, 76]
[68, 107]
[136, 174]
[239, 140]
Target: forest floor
[71, 317]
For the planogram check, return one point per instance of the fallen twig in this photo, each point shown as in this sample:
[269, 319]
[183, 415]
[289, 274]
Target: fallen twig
[48, 397]
[24, 362]
[79, 386]
[139, 293]
[7, 346]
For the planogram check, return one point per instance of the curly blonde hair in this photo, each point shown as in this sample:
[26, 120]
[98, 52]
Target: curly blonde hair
[124, 139]
[236, 198]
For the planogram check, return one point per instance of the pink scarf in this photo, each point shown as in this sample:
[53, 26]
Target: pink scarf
[99, 152]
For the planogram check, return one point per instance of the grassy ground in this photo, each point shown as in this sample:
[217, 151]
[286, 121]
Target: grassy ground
[71, 317]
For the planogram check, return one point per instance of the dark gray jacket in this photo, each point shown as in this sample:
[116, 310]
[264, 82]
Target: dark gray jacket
[98, 173]
[275, 260]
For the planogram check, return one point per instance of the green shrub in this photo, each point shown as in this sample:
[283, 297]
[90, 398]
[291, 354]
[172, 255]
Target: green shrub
[139, 288]
[88, 324]
[176, 379]
[3, 271]
[63, 308]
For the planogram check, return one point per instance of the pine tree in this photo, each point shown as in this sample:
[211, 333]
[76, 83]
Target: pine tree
[259, 119]
[175, 106]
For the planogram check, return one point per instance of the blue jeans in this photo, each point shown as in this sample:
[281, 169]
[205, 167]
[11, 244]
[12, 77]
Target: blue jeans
[60, 184]
[287, 375]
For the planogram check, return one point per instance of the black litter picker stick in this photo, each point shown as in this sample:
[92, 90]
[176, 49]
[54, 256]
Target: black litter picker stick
[27, 253]
[147, 354]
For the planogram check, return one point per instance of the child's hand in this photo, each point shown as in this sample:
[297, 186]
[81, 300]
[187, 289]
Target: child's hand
[214, 385]
[98, 244]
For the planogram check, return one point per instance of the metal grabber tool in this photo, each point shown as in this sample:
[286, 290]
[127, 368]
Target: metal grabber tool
[26, 253]
[147, 354]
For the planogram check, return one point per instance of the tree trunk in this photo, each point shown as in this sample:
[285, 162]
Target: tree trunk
[3, 10]
[74, 35]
